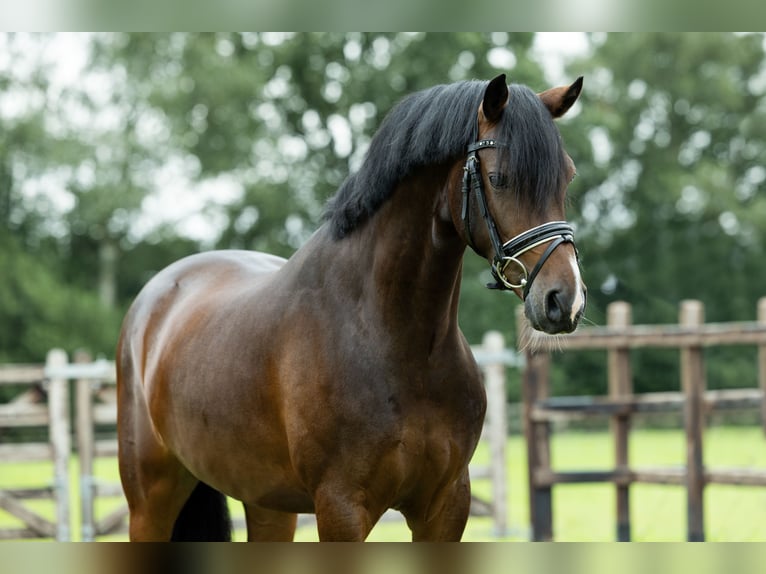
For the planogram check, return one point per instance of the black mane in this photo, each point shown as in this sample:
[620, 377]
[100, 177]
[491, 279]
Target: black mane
[434, 127]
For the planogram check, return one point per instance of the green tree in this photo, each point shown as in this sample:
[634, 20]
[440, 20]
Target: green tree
[670, 178]
[288, 116]
[99, 145]
[669, 145]
[40, 305]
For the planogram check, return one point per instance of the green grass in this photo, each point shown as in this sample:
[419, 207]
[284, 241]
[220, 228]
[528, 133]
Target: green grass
[581, 512]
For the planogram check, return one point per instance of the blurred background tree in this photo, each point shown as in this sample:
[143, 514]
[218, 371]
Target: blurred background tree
[169, 144]
[669, 199]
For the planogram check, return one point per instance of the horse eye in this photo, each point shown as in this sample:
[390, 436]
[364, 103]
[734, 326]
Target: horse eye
[498, 180]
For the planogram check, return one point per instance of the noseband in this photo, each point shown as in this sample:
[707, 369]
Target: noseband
[507, 254]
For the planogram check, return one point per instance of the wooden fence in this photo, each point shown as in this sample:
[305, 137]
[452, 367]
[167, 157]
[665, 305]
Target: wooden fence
[95, 406]
[690, 336]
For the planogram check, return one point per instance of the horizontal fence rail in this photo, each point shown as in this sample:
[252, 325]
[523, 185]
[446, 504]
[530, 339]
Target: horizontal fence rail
[665, 336]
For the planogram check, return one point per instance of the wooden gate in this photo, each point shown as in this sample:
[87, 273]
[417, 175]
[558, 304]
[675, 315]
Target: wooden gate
[42, 401]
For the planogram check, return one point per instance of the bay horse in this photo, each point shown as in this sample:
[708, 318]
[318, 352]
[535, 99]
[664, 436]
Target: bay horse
[338, 382]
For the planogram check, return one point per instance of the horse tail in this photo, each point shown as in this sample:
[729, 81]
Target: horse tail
[204, 517]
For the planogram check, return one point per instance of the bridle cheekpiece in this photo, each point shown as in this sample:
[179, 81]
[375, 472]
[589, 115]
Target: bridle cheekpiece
[507, 254]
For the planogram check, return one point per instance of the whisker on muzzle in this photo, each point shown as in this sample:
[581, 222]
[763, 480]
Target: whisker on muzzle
[534, 341]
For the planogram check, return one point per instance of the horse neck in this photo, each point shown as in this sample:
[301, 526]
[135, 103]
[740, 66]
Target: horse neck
[410, 257]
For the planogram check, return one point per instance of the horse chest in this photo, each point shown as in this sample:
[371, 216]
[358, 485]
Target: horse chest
[440, 429]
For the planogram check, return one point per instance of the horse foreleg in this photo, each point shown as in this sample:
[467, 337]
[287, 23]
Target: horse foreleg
[342, 515]
[444, 519]
[264, 525]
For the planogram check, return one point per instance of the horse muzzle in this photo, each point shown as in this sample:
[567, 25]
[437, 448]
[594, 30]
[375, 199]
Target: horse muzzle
[558, 308]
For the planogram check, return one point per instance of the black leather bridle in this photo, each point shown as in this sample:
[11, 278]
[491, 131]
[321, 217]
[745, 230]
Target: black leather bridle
[508, 253]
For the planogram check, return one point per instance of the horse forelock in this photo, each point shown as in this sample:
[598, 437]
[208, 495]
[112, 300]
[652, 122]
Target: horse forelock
[535, 158]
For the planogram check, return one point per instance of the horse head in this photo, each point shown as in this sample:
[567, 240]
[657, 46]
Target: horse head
[511, 207]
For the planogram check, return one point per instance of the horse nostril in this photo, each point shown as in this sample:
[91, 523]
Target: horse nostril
[554, 309]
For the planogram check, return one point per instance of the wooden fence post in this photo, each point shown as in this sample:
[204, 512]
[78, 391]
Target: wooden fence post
[494, 373]
[58, 405]
[85, 446]
[691, 315]
[535, 387]
[762, 363]
[620, 387]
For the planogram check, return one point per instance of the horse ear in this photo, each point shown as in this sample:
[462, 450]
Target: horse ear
[495, 99]
[559, 100]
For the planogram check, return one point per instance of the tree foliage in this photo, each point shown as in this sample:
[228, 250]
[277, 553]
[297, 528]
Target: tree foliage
[671, 205]
[260, 130]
